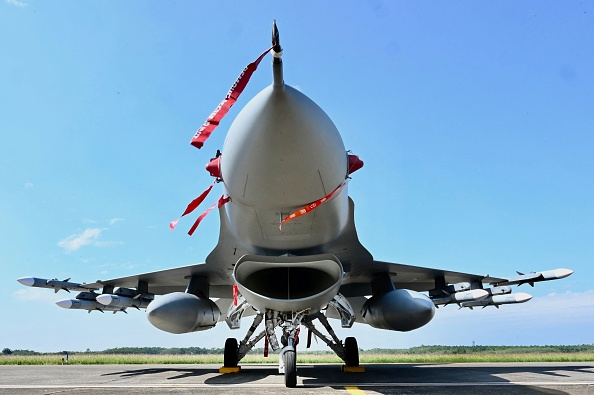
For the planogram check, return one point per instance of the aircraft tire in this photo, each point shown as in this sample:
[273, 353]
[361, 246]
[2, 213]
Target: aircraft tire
[290, 360]
[351, 351]
[230, 355]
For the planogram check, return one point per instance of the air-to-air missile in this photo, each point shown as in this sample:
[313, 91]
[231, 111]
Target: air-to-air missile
[86, 301]
[56, 284]
[535, 277]
[457, 297]
[111, 300]
[498, 300]
[89, 305]
[499, 290]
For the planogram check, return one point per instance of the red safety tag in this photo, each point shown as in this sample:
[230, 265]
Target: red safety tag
[235, 294]
[223, 108]
[265, 346]
[310, 207]
[192, 206]
[220, 203]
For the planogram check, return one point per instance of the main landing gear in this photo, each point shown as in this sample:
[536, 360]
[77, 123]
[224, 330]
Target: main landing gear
[290, 323]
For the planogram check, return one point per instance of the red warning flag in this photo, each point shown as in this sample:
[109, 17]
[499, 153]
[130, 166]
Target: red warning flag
[223, 108]
[220, 203]
[235, 294]
[310, 207]
[193, 205]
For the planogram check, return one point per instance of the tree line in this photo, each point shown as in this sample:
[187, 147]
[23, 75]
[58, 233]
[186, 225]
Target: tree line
[477, 349]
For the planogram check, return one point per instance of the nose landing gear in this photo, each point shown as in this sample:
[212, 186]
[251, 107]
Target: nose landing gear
[290, 325]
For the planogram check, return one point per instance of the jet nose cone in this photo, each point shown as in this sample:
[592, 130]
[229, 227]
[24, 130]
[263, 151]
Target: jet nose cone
[282, 147]
[28, 281]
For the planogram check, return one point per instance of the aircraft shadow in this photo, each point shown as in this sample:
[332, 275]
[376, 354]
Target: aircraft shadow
[182, 373]
[472, 379]
[248, 374]
[422, 376]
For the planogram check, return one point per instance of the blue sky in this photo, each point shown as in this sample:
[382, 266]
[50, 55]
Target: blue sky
[475, 121]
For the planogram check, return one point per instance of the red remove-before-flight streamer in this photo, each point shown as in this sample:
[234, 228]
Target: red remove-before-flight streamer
[223, 108]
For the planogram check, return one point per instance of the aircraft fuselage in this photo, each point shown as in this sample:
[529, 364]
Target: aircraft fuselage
[283, 152]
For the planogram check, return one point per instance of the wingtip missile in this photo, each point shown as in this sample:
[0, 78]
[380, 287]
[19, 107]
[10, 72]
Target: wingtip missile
[534, 277]
[54, 284]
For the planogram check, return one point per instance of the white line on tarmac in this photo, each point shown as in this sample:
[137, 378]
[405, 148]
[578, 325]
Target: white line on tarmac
[263, 385]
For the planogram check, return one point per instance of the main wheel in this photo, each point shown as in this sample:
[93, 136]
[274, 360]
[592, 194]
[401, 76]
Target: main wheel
[290, 360]
[351, 351]
[230, 356]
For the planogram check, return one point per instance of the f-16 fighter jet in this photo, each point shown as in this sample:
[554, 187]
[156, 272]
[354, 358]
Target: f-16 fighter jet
[288, 253]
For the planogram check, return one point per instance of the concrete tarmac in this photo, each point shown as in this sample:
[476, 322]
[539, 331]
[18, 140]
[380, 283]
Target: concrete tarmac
[410, 379]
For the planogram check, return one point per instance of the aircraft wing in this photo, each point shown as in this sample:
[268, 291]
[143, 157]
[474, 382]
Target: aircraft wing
[416, 278]
[172, 280]
[361, 267]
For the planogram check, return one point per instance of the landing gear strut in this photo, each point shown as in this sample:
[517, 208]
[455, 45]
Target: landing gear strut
[290, 324]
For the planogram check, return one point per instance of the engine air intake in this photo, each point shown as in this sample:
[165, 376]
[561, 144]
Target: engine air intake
[288, 283]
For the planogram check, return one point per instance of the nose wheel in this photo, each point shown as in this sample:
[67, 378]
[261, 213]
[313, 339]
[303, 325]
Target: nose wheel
[290, 362]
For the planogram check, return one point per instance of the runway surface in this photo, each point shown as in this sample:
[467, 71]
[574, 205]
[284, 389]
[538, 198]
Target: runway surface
[413, 379]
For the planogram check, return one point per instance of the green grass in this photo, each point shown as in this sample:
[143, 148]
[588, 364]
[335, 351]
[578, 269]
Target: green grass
[303, 357]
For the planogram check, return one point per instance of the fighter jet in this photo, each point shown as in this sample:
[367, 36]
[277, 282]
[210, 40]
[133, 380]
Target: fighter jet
[288, 253]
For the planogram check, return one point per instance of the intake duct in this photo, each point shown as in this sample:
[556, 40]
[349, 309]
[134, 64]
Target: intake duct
[288, 283]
